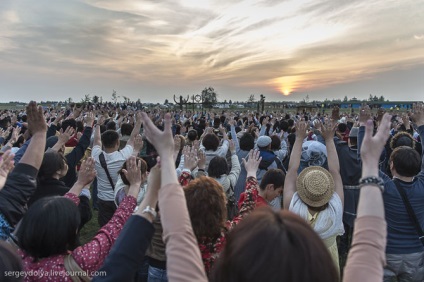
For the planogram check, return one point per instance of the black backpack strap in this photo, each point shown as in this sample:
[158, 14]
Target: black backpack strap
[410, 211]
[104, 166]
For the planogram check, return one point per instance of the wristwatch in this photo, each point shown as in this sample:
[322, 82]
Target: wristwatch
[151, 211]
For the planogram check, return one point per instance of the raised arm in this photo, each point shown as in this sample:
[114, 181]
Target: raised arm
[37, 127]
[366, 258]
[291, 177]
[328, 130]
[234, 134]
[97, 136]
[183, 255]
[135, 131]
[418, 119]
[235, 165]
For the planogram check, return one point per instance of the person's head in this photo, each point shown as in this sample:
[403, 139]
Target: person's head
[210, 142]
[54, 165]
[275, 143]
[264, 142]
[9, 261]
[342, 127]
[402, 138]
[143, 171]
[290, 250]
[204, 195]
[272, 184]
[217, 167]
[111, 125]
[284, 125]
[126, 129]
[353, 136]
[315, 187]
[49, 227]
[69, 122]
[405, 161]
[291, 138]
[247, 142]
[110, 139]
[192, 135]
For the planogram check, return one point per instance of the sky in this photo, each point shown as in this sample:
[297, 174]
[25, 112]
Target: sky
[286, 50]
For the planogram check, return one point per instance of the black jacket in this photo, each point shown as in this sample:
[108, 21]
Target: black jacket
[53, 187]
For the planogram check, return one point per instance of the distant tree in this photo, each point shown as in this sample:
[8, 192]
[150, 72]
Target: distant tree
[126, 99]
[375, 98]
[86, 99]
[251, 98]
[345, 99]
[225, 101]
[209, 97]
[69, 100]
[95, 99]
[166, 102]
[381, 99]
[230, 102]
[115, 96]
[370, 98]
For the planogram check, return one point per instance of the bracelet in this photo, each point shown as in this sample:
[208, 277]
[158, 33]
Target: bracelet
[150, 211]
[372, 181]
[200, 169]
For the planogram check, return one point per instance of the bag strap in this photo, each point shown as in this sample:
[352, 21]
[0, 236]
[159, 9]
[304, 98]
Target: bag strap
[410, 211]
[75, 272]
[104, 166]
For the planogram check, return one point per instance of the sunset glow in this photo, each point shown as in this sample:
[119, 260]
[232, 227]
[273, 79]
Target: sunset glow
[160, 48]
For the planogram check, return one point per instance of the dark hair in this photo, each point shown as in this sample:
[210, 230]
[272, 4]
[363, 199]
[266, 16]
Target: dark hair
[49, 227]
[217, 167]
[210, 142]
[111, 125]
[69, 122]
[126, 129]
[402, 138]
[52, 162]
[273, 176]
[406, 161]
[203, 195]
[284, 125]
[192, 135]
[291, 138]
[275, 143]
[80, 126]
[290, 122]
[9, 261]
[143, 170]
[289, 249]
[342, 127]
[110, 138]
[19, 142]
[247, 142]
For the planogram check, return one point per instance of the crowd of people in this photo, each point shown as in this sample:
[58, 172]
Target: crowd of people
[211, 196]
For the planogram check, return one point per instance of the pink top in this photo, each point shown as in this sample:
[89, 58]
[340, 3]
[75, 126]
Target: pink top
[367, 254]
[89, 257]
[184, 262]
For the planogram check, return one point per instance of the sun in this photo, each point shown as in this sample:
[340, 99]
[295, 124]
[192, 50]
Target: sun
[286, 92]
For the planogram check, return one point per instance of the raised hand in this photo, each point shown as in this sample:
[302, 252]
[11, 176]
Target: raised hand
[335, 114]
[202, 159]
[301, 128]
[36, 121]
[364, 114]
[372, 146]
[138, 144]
[328, 129]
[232, 147]
[161, 140]
[89, 119]
[6, 166]
[133, 172]
[252, 163]
[418, 114]
[87, 172]
[66, 135]
[190, 157]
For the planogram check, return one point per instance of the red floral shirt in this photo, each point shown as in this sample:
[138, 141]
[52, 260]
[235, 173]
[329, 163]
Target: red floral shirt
[89, 257]
[210, 248]
[251, 191]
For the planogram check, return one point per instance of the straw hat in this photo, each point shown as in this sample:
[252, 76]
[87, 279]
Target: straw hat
[315, 186]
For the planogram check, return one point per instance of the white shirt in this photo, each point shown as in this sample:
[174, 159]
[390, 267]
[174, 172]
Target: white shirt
[114, 163]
